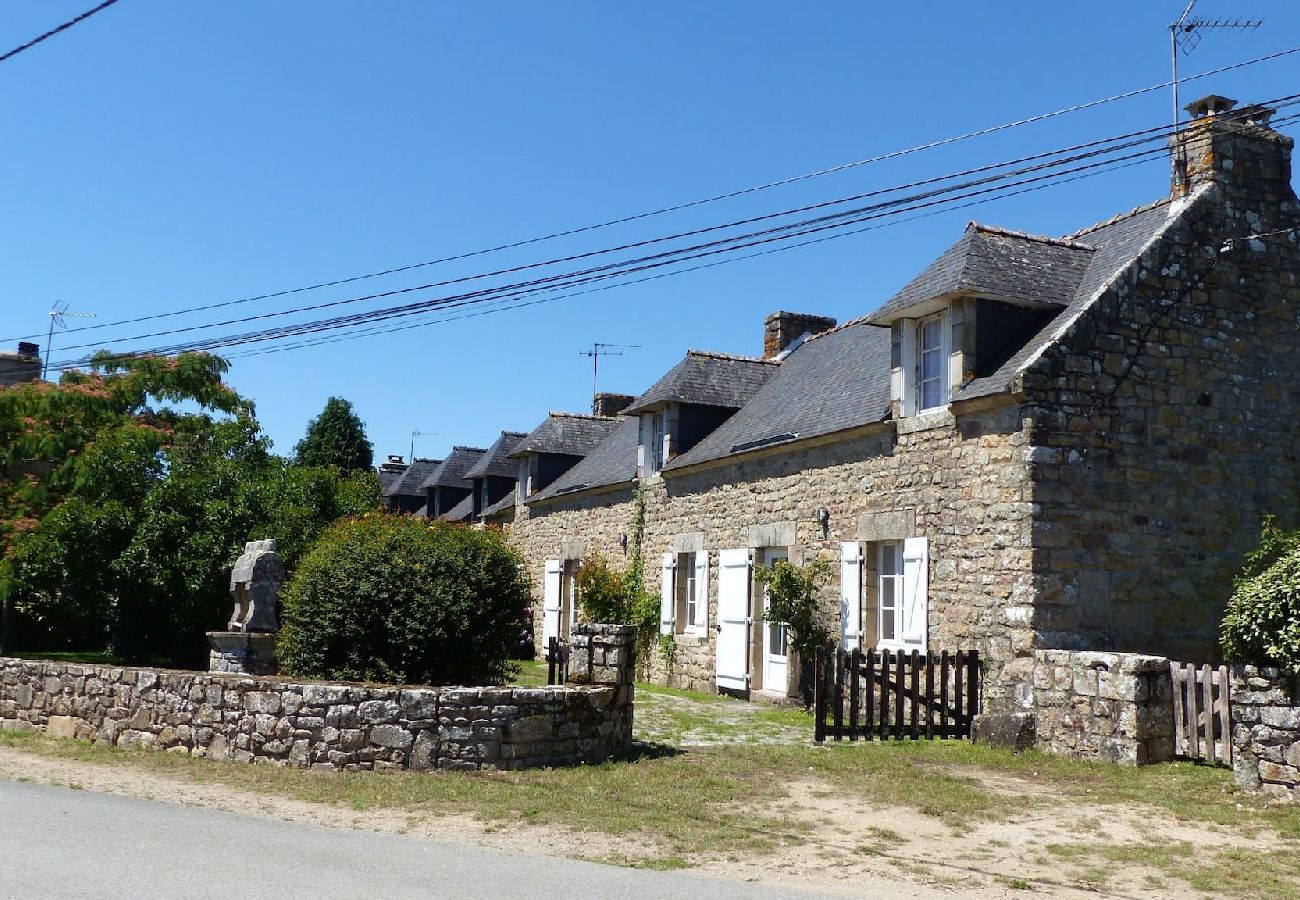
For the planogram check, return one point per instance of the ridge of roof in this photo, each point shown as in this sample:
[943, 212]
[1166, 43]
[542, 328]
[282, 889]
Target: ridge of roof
[731, 357]
[1137, 210]
[573, 415]
[843, 325]
[467, 447]
[1026, 236]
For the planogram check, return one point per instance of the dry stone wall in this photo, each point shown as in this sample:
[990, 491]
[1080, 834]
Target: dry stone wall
[334, 726]
[1110, 706]
[1266, 730]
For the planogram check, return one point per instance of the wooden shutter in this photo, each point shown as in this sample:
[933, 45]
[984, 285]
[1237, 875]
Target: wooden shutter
[850, 595]
[551, 602]
[701, 590]
[735, 576]
[667, 598]
[916, 594]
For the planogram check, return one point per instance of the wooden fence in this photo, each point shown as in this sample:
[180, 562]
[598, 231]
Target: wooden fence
[557, 661]
[1202, 712]
[883, 695]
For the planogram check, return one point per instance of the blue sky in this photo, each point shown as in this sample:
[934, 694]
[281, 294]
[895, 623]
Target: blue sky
[163, 155]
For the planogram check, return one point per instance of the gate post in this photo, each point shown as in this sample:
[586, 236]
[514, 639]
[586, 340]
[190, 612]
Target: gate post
[819, 695]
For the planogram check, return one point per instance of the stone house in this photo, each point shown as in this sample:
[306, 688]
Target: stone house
[1017, 451]
[448, 488]
[493, 476]
[404, 493]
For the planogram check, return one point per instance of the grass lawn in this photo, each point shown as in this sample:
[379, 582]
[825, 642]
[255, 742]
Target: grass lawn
[676, 808]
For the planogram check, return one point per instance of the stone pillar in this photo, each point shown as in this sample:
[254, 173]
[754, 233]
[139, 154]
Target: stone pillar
[1111, 706]
[1266, 730]
[242, 652]
[606, 655]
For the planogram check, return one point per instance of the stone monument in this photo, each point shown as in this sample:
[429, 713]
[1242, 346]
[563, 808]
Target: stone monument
[248, 644]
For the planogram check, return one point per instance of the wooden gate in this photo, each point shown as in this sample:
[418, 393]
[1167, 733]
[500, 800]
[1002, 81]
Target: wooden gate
[903, 696]
[1202, 712]
[557, 661]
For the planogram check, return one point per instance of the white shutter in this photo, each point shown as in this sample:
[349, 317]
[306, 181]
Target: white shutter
[644, 453]
[907, 357]
[735, 576]
[551, 602]
[916, 592]
[850, 595]
[701, 591]
[667, 600]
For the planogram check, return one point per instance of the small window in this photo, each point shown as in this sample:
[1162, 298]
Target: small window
[891, 591]
[660, 439]
[932, 362]
[687, 591]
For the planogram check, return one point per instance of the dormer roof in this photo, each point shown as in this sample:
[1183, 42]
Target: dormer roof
[1018, 268]
[411, 482]
[569, 434]
[707, 379]
[496, 460]
[452, 471]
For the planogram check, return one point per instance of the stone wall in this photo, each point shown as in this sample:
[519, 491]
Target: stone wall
[334, 726]
[1266, 730]
[1109, 706]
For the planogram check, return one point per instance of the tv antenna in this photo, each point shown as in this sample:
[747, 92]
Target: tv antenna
[414, 435]
[1185, 35]
[57, 315]
[598, 350]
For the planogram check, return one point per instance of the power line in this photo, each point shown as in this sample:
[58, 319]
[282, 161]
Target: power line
[1141, 135]
[53, 31]
[686, 205]
[551, 284]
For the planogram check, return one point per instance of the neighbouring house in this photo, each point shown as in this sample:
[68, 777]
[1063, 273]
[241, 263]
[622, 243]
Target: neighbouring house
[449, 490]
[493, 476]
[1038, 443]
[25, 365]
[405, 494]
[389, 471]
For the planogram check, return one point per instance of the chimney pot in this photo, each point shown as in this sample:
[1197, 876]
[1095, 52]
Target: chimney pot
[1210, 105]
[26, 348]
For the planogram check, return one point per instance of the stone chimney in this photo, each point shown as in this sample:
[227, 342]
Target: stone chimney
[781, 329]
[395, 464]
[607, 404]
[1233, 146]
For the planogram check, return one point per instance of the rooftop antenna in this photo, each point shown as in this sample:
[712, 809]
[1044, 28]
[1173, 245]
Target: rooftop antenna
[1185, 35]
[414, 435]
[598, 350]
[57, 315]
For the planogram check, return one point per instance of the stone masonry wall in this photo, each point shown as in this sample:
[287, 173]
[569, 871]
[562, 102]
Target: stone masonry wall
[1110, 706]
[333, 726]
[1266, 731]
[962, 482]
[1168, 418]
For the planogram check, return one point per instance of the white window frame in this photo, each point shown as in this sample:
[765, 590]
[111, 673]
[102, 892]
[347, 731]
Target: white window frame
[895, 579]
[944, 352]
[691, 592]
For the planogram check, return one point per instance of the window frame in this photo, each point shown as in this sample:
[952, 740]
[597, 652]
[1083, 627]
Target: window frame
[943, 351]
[686, 591]
[894, 578]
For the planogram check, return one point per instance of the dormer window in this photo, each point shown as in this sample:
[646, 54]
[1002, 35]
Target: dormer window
[658, 440]
[932, 379]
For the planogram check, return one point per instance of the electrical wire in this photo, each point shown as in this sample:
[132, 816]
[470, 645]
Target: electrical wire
[686, 205]
[53, 31]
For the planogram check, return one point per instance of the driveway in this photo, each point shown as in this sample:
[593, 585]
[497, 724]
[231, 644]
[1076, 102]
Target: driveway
[58, 842]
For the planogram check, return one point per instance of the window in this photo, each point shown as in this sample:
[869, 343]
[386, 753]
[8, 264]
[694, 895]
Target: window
[687, 593]
[932, 362]
[890, 571]
[659, 440]
[655, 443]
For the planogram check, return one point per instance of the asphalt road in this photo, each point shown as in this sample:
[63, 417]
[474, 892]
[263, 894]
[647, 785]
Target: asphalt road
[57, 842]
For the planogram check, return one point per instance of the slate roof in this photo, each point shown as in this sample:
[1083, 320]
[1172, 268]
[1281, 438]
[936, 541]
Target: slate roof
[505, 503]
[1117, 241]
[1005, 264]
[495, 461]
[707, 379]
[612, 462]
[387, 478]
[460, 512]
[833, 381]
[411, 482]
[452, 471]
[573, 434]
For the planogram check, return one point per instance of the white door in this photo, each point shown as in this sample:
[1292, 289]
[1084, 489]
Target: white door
[732, 657]
[776, 639]
[850, 595]
[916, 588]
[551, 602]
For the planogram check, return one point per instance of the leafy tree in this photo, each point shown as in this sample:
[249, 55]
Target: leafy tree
[121, 515]
[1262, 623]
[407, 601]
[337, 437]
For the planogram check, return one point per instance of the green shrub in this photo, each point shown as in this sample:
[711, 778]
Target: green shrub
[792, 598]
[401, 600]
[611, 597]
[1262, 624]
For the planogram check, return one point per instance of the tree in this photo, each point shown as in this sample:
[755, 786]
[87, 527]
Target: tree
[337, 437]
[1262, 622]
[121, 515]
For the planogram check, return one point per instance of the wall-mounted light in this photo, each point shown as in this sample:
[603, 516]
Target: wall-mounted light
[824, 520]
[622, 542]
